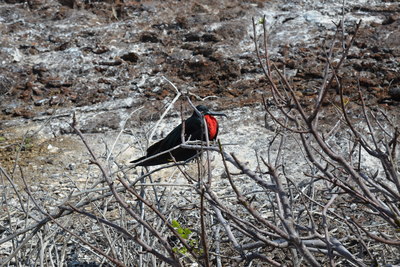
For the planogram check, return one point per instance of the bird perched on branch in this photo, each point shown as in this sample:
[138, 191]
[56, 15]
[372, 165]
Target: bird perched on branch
[193, 130]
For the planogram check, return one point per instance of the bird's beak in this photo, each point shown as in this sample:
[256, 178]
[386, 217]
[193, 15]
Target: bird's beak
[213, 113]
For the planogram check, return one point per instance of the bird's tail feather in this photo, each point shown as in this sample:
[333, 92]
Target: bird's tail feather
[139, 159]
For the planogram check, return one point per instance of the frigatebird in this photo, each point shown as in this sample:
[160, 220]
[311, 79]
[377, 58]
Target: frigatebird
[193, 130]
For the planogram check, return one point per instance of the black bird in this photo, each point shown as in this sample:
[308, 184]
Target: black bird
[193, 130]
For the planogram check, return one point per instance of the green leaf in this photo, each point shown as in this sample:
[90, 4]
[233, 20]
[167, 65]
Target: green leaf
[183, 250]
[175, 224]
[193, 242]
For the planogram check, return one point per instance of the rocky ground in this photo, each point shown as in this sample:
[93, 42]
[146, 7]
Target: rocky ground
[106, 62]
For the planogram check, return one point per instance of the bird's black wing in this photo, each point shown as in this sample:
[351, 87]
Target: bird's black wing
[171, 140]
[193, 129]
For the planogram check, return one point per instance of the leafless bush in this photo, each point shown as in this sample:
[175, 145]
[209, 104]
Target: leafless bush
[348, 209]
[343, 211]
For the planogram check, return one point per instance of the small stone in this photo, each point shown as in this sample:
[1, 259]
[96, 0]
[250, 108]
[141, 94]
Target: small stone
[394, 93]
[149, 37]
[131, 57]
[52, 149]
[100, 49]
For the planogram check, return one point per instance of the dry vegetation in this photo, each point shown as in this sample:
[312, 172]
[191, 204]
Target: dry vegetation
[343, 212]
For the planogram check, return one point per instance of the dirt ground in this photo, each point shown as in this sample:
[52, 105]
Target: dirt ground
[64, 56]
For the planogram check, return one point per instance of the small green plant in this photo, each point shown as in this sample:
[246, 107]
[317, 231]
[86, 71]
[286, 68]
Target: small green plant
[185, 233]
[28, 144]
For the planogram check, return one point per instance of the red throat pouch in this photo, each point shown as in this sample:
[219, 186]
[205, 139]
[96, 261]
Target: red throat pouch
[212, 126]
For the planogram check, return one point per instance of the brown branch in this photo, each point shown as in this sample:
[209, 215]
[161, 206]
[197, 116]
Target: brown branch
[375, 237]
[125, 232]
[113, 260]
[344, 56]
[122, 203]
[159, 214]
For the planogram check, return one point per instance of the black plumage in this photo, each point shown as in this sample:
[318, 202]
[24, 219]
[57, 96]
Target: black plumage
[193, 130]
